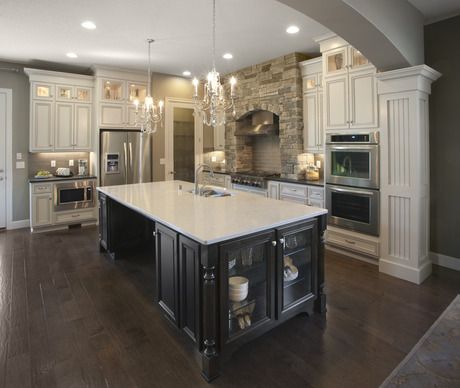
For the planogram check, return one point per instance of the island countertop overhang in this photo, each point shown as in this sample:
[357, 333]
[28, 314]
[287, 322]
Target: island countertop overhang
[208, 220]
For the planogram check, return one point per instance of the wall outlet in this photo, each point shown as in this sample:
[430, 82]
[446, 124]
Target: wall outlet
[19, 156]
[162, 161]
[53, 163]
[318, 163]
[213, 158]
[71, 163]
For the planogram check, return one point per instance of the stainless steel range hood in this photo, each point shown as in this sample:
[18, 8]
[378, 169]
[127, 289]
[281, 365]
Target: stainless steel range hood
[257, 123]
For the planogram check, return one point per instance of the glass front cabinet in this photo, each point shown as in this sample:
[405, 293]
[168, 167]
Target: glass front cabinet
[266, 276]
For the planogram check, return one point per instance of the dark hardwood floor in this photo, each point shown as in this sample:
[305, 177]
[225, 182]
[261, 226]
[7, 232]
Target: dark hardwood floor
[69, 317]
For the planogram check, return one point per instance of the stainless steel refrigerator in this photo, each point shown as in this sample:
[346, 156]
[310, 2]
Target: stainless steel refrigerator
[125, 157]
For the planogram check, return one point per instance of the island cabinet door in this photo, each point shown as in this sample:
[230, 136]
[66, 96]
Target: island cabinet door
[247, 276]
[297, 262]
[167, 272]
[189, 290]
[103, 222]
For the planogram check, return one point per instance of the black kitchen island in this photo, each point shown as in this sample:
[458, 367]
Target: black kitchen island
[228, 268]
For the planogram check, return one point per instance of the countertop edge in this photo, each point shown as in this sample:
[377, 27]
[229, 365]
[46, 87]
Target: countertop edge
[60, 179]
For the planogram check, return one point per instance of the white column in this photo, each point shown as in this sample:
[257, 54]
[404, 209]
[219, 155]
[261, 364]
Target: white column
[405, 171]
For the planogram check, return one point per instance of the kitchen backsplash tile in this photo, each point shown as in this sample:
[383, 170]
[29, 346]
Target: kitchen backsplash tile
[42, 161]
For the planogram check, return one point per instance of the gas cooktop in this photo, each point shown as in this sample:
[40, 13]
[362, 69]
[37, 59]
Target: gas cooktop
[255, 179]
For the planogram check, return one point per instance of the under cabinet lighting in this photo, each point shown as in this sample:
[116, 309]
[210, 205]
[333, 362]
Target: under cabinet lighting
[88, 24]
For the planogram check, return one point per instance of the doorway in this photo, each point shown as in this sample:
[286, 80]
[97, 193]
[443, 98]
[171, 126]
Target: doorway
[183, 140]
[5, 124]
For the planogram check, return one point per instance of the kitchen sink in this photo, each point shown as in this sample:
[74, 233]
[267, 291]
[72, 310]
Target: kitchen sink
[211, 193]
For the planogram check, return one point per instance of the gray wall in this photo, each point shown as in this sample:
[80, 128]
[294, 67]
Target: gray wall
[19, 83]
[443, 54]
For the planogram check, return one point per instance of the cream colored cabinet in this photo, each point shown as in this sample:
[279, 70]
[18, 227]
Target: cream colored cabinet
[116, 107]
[42, 126]
[41, 209]
[61, 111]
[350, 94]
[297, 193]
[312, 82]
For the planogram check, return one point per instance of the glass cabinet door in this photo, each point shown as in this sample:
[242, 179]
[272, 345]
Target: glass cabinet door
[43, 91]
[112, 90]
[64, 92]
[358, 59]
[249, 287]
[83, 94]
[298, 262]
[137, 92]
[336, 61]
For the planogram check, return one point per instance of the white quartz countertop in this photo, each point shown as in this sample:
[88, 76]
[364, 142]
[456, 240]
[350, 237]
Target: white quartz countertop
[208, 220]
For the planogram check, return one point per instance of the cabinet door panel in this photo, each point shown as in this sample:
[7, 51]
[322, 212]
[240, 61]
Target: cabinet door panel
[363, 100]
[320, 123]
[310, 120]
[112, 115]
[167, 272]
[82, 127]
[42, 126]
[42, 91]
[131, 115]
[336, 103]
[41, 209]
[64, 126]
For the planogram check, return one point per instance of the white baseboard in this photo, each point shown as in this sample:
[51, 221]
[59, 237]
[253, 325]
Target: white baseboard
[405, 272]
[18, 224]
[445, 261]
[352, 255]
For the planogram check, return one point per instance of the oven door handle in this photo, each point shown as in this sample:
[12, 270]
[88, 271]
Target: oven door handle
[359, 192]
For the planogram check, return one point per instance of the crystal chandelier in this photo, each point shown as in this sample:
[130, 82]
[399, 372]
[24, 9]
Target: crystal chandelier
[213, 106]
[151, 112]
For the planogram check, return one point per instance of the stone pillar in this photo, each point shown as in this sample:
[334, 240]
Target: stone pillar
[405, 171]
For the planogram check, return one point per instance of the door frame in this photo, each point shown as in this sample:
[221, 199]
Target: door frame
[170, 104]
[8, 157]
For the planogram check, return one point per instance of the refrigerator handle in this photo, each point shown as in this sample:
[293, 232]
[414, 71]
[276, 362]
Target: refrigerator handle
[130, 155]
[125, 154]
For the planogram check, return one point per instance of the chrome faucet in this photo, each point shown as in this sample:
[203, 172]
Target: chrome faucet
[199, 169]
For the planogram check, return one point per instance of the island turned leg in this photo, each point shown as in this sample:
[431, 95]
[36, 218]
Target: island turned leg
[209, 355]
[320, 303]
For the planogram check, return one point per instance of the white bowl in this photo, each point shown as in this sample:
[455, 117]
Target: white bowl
[238, 288]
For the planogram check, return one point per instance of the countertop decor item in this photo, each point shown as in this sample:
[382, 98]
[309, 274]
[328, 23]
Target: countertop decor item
[290, 270]
[214, 105]
[151, 113]
[43, 174]
[238, 287]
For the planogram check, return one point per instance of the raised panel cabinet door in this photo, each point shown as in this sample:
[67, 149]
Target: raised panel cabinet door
[82, 128]
[131, 115]
[320, 123]
[112, 115]
[310, 121]
[42, 126]
[41, 209]
[363, 100]
[64, 126]
[167, 272]
[336, 103]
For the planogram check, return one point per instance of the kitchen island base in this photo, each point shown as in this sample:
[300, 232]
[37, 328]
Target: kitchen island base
[223, 294]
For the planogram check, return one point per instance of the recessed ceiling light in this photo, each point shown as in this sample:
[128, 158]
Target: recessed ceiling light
[72, 55]
[292, 30]
[227, 56]
[89, 25]
[186, 73]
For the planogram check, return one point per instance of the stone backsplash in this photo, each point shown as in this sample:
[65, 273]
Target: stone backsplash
[276, 86]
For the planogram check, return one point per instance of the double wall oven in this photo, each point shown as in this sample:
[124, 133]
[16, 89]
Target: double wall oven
[352, 181]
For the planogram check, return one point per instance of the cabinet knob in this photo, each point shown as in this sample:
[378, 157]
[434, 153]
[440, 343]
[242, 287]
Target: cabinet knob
[274, 243]
[281, 240]
[154, 233]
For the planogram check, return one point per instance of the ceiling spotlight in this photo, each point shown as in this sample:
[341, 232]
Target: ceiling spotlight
[227, 56]
[292, 30]
[72, 55]
[186, 73]
[89, 25]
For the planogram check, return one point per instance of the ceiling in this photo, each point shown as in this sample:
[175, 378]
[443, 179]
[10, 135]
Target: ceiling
[434, 10]
[253, 31]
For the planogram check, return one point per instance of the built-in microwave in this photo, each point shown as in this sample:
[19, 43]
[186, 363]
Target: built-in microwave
[74, 195]
[353, 208]
[353, 159]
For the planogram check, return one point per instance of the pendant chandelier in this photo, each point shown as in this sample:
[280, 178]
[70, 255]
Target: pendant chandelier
[213, 106]
[151, 112]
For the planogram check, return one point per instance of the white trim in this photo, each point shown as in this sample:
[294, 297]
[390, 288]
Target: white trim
[9, 156]
[405, 272]
[170, 104]
[445, 261]
[18, 224]
[343, 252]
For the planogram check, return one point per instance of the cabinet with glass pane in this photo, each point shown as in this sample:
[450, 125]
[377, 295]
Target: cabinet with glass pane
[248, 288]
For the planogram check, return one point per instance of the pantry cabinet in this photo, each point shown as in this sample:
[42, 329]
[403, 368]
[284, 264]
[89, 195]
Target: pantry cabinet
[61, 111]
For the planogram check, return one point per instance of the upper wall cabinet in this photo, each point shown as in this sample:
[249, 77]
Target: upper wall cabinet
[116, 93]
[350, 92]
[60, 111]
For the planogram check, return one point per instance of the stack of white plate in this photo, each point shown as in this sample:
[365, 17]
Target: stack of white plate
[238, 288]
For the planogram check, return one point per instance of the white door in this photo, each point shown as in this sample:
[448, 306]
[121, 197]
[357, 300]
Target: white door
[183, 140]
[363, 99]
[310, 121]
[64, 126]
[336, 102]
[82, 128]
[112, 115]
[42, 126]
[5, 116]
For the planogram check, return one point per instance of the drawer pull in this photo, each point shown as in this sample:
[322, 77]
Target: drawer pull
[75, 215]
[350, 241]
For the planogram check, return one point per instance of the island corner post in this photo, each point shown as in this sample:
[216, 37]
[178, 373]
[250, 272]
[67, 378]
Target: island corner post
[193, 276]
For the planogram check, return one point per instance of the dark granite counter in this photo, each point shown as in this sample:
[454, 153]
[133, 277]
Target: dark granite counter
[59, 178]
